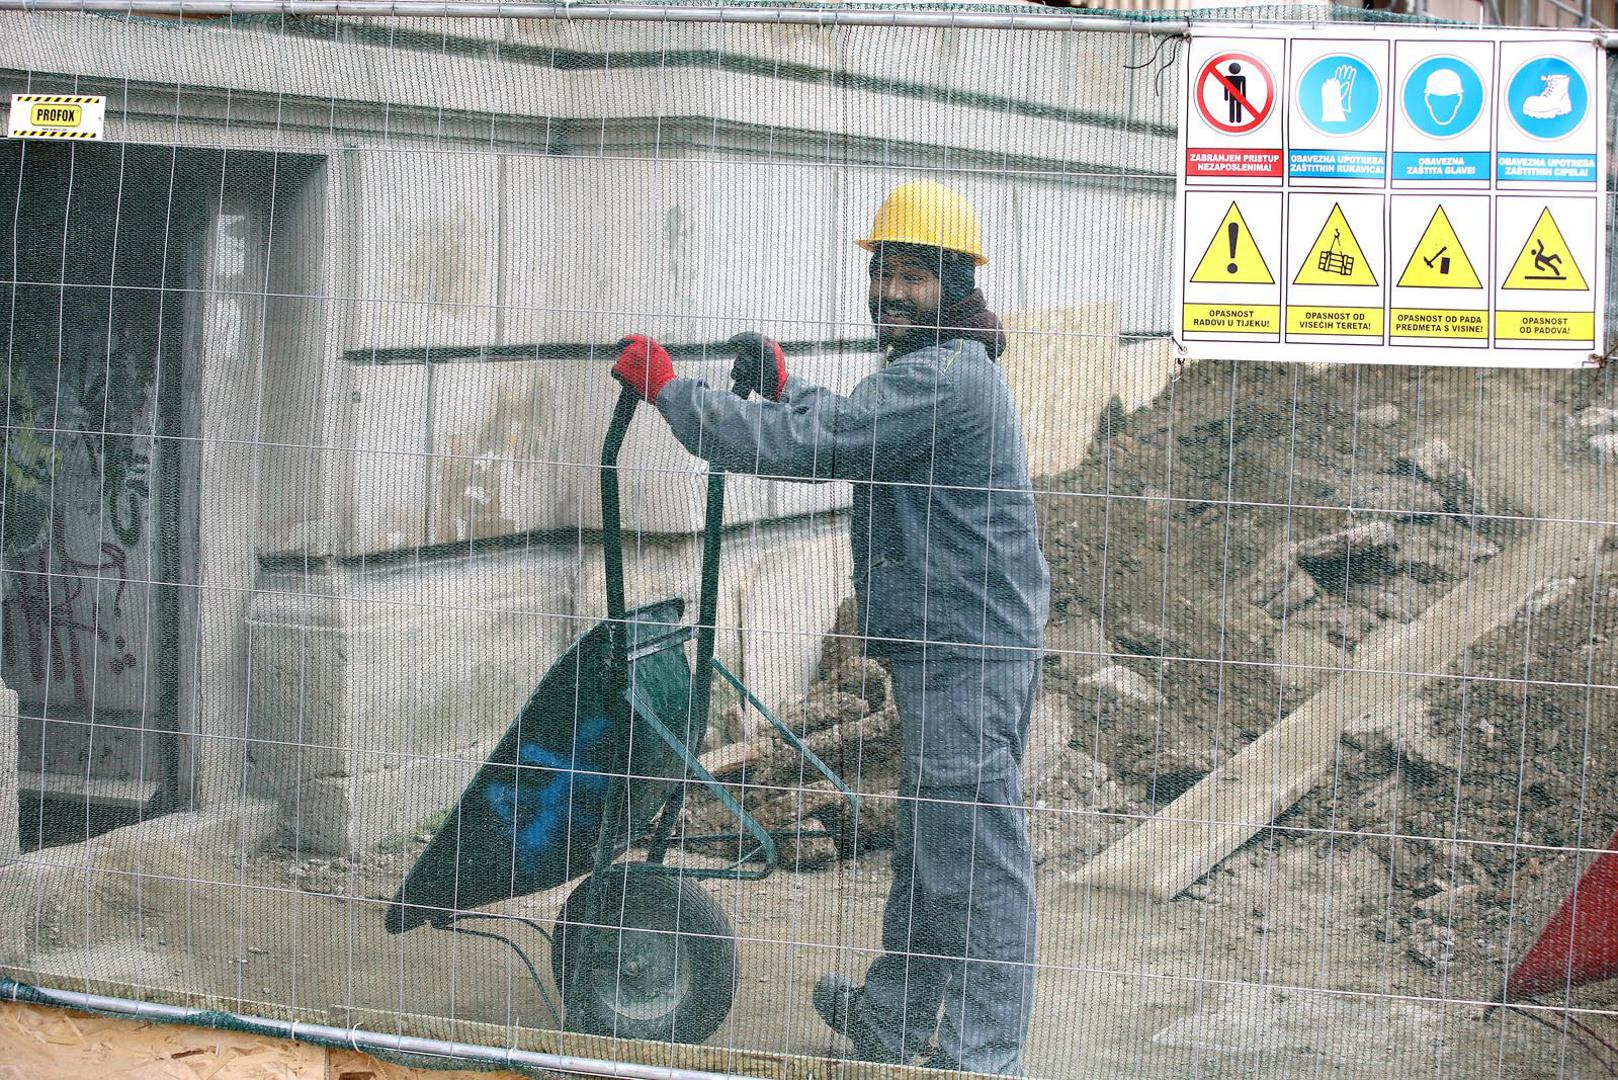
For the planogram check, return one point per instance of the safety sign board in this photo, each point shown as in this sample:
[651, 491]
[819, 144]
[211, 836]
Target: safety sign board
[1393, 194]
[1545, 297]
[1339, 111]
[56, 116]
[1335, 258]
[1442, 126]
[1337, 290]
[1442, 243]
[1545, 261]
[1232, 292]
[1552, 118]
[1233, 131]
[1439, 259]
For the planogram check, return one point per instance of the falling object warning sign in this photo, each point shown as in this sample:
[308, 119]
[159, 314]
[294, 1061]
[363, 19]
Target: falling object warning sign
[1439, 261]
[1232, 256]
[1335, 258]
[1545, 261]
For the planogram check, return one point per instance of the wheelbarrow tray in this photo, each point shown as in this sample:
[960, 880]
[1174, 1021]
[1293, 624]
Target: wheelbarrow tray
[531, 818]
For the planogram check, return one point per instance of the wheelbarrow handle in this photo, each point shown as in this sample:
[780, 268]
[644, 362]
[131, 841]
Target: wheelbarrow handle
[623, 412]
[612, 540]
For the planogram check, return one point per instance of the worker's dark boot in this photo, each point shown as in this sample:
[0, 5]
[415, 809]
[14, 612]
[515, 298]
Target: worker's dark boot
[837, 1000]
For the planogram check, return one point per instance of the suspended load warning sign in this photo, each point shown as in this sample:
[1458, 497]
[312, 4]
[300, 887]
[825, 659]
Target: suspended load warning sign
[1390, 194]
[1335, 258]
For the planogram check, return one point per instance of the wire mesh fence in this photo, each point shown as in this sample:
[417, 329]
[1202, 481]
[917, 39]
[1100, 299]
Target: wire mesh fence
[1097, 714]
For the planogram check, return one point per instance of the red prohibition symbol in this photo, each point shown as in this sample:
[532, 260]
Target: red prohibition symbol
[1235, 92]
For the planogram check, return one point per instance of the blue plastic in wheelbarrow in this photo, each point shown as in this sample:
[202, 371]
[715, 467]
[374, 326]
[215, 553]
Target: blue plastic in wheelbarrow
[531, 818]
[599, 760]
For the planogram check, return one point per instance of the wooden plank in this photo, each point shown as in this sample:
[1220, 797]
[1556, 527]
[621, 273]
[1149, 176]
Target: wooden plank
[732, 757]
[48, 1043]
[1195, 832]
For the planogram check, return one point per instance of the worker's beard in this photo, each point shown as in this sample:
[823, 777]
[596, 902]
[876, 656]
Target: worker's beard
[901, 329]
[899, 321]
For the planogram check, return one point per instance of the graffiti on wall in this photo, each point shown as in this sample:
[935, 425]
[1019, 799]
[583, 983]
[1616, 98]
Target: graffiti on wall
[75, 600]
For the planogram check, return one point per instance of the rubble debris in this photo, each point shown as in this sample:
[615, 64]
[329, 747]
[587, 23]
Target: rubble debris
[1440, 466]
[1075, 646]
[1385, 415]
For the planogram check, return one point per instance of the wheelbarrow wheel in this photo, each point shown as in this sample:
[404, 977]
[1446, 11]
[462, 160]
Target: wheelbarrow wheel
[659, 962]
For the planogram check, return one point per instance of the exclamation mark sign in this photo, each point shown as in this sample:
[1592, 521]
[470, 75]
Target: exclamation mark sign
[1231, 232]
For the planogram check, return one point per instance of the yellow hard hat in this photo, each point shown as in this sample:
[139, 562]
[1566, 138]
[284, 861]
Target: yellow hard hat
[926, 212]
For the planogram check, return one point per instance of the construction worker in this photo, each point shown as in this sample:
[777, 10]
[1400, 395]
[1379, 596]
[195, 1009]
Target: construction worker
[953, 593]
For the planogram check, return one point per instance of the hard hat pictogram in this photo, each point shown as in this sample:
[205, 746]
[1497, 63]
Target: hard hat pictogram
[1439, 260]
[1545, 261]
[1443, 96]
[1232, 256]
[1335, 258]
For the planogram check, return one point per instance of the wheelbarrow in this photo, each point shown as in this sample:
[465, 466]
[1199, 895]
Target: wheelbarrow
[596, 765]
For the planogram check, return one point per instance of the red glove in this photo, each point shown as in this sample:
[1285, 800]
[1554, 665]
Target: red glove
[760, 365]
[644, 366]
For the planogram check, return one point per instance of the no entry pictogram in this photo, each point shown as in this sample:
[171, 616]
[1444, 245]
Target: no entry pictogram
[1235, 92]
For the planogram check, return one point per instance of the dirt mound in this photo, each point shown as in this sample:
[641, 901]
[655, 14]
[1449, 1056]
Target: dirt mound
[1234, 542]
[1471, 802]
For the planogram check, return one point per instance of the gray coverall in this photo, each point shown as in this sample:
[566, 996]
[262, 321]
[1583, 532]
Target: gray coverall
[953, 591]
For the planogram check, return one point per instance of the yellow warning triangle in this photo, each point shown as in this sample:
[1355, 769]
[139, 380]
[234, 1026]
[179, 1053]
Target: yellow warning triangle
[1545, 261]
[1439, 261]
[1335, 257]
[1232, 256]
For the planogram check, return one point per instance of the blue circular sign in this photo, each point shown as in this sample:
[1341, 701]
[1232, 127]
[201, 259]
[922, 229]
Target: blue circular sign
[1443, 96]
[1547, 97]
[1339, 94]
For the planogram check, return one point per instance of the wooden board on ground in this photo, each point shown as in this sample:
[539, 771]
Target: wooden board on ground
[1197, 831]
[48, 1043]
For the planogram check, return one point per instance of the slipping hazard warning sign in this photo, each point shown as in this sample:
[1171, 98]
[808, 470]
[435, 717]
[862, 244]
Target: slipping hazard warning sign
[1335, 258]
[1232, 256]
[1545, 261]
[1440, 260]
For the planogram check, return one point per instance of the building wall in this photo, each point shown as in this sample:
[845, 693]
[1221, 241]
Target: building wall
[399, 389]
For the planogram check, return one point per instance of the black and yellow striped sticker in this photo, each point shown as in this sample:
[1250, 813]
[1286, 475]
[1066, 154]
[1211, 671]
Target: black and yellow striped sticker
[56, 116]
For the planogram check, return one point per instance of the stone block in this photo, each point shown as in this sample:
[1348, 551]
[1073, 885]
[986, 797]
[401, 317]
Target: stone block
[491, 471]
[1401, 498]
[13, 943]
[1435, 462]
[1076, 646]
[382, 461]
[1382, 415]
[1122, 694]
[9, 844]
[337, 815]
[429, 261]
[355, 674]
